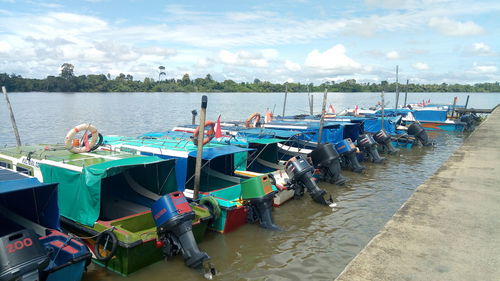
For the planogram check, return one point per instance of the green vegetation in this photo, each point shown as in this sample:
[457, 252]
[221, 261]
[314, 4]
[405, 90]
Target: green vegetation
[68, 82]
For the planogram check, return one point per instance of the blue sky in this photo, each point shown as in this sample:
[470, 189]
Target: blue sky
[432, 41]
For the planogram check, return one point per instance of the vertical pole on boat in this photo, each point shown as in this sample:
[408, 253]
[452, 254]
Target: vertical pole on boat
[406, 92]
[193, 119]
[12, 119]
[467, 102]
[199, 153]
[383, 112]
[284, 103]
[322, 120]
[397, 88]
[454, 104]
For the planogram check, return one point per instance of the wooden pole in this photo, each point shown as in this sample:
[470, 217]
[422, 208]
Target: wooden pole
[454, 105]
[284, 103]
[406, 92]
[322, 120]
[467, 102]
[383, 113]
[199, 153]
[312, 105]
[397, 88]
[12, 119]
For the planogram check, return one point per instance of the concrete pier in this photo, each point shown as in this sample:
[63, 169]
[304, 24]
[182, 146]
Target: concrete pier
[449, 229]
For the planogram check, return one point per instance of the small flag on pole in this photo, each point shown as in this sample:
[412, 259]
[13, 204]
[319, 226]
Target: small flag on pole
[218, 131]
[331, 109]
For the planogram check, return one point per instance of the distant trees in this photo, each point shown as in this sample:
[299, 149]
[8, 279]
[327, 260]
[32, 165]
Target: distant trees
[68, 82]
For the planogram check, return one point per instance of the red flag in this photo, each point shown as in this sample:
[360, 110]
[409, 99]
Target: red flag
[331, 109]
[356, 110]
[218, 131]
[429, 101]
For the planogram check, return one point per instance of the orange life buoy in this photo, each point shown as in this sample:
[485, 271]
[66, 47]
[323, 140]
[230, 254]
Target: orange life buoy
[252, 120]
[209, 135]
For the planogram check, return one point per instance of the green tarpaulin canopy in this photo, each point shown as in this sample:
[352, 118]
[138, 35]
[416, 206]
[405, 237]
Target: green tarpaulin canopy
[80, 192]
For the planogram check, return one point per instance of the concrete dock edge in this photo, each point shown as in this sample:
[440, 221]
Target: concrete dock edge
[449, 229]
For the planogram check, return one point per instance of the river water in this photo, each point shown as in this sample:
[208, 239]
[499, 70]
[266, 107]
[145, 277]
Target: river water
[317, 243]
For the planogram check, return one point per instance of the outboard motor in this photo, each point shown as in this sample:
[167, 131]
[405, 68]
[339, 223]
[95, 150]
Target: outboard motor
[416, 130]
[22, 256]
[384, 139]
[258, 191]
[327, 159]
[173, 217]
[348, 152]
[368, 144]
[471, 120]
[300, 173]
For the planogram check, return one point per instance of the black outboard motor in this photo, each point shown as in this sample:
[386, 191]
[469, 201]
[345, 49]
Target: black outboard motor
[384, 139]
[327, 159]
[22, 256]
[471, 120]
[258, 191]
[416, 130]
[300, 173]
[347, 150]
[369, 146]
[173, 217]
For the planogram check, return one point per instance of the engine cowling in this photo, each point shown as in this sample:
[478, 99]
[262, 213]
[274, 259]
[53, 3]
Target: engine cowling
[327, 159]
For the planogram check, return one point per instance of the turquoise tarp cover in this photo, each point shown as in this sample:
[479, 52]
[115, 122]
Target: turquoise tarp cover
[80, 192]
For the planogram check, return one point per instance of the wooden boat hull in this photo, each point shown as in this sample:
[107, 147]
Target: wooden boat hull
[443, 126]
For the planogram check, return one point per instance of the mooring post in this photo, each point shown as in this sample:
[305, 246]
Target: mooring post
[383, 113]
[193, 115]
[406, 92]
[322, 120]
[397, 89]
[312, 105]
[12, 119]
[455, 99]
[467, 102]
[199, 153]
[284, 103]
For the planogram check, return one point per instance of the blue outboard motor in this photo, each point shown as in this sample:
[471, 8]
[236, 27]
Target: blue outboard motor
[327, 159]
[368, 144]
[382, 138]
[173, 215]
[300, 173]
[22, 256]
[347, 150]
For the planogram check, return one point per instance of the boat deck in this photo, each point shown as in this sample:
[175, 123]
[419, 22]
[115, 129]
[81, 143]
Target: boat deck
[449, 229]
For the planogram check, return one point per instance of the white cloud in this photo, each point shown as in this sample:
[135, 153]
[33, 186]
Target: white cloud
[392, 55]
[477, 68]
[246, 58]
[450, 27]
[480, 49]
[332, 60]
[420, 66]
[5, 47]
[292, 66]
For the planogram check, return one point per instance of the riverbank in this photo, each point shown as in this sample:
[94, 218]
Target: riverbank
[449, 228]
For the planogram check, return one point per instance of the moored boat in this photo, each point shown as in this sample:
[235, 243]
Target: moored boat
[32, 245]
[106, 197]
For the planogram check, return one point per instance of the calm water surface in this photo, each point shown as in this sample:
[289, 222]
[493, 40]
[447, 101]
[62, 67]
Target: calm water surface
[317, 242]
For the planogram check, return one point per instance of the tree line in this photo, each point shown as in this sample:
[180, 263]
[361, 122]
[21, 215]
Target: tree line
[68, 82]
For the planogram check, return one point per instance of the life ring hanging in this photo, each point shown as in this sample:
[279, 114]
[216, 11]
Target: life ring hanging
[208, 136]
[76, 148]
[252, 120]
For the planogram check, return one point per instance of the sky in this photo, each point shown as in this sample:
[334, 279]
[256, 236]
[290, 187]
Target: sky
[307, 41]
